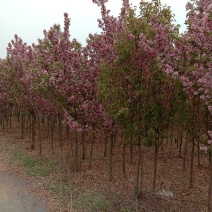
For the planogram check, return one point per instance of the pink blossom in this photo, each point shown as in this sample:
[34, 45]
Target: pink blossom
[131, 36]
[204, 149]
[209, 142]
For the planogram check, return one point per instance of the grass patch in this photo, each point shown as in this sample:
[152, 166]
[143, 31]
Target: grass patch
[61, 189]
[36, 166]
[94, 201]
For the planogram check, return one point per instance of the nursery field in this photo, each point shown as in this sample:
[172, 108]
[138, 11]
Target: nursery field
[123, 123]
[88, 188]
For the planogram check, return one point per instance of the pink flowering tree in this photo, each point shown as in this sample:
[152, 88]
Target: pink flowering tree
[5, 94]
[66, 74]
[191, 63]
[20, 63]
[133, 89]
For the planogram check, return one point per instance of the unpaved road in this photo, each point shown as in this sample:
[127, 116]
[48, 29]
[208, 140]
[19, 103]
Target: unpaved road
[15, 195]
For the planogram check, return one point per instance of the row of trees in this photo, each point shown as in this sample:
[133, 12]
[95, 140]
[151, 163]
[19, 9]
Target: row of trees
[139, 79]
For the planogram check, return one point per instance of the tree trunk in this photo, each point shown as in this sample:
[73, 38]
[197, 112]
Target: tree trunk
[137, 190]
[67, 131]
[52, 134]
[48, 125]
[124, 159]
[105, 148]
[10, 116]
[39, 135]
[185, 150]
[111, 159]
[210, 183]
[60, 132]
[155, 165]
[181, 141]
[91, 149]
[131, 152]
[22, 125]
[192, 165]
[83, 144]
[198, 153]
[131, 142]
[3, 122]
[76, 164]
[33, 122]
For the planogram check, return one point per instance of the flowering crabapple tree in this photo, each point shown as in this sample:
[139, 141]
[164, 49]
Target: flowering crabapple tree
[133, 89]
[193, 65]
[20, 62]
[5, 95]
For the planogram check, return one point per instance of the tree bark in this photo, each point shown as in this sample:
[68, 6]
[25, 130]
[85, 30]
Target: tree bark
[155, 165]
[138, 190]
[33, 121]
[124, 159]
[111, 159]
[192, 165]
[210, 183]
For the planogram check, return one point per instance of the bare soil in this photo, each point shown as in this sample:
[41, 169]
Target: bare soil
[89, 189]
[15, 194]
[19, 191]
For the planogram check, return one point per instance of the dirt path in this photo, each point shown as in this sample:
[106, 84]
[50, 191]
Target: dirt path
[15, 194]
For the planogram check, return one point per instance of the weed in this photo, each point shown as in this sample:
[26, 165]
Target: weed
[61, 189]
[94, 201]
[35, 166]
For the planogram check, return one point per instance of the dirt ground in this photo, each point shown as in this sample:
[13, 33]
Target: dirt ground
[15, 194]
[90, 189]
[20, 192]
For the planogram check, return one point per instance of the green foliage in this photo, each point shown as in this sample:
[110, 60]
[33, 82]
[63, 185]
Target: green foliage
[133, 97]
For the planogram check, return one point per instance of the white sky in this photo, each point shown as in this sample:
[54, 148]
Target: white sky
[28, 18]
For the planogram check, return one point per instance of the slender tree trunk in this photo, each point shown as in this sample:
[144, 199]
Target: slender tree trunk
[48, 125]
[177, 137]
[124, 159]
[162, 146]
[170, 150]
[111, 159]
[185, 150]
[122, 137]
[10, 116]
[7, 120]
[137, 190]
[210, 183]
[210, 163]
[83, 144]
[18, 114]
[67, 131]
[76, 164]
[22, 125]
[181, 141]
[105, 148]
[43, 119]
[131, 152]
[33, 122]
[39, 135]
[60, 132]
[155, 165]
[3, 118]
[192, 165]
[91, 149]
[131, 142]
[198, 153]
[114, 140]
[52, 134]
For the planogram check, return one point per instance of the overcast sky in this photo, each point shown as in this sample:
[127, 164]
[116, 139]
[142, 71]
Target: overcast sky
[28, 18]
